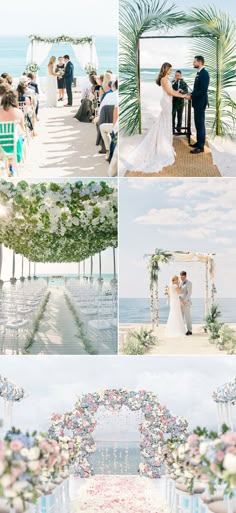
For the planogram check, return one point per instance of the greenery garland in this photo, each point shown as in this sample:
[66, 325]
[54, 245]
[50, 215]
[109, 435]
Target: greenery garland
[80, 325]
[62, 39]
[35, 329]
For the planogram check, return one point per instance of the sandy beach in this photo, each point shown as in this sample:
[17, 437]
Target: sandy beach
[63, 147]
[197, 344]
[223, 150]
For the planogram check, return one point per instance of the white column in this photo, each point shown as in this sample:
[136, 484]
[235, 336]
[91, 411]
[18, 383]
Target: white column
[13, 265]
[35, 269]
[29, 270]
[206, 291]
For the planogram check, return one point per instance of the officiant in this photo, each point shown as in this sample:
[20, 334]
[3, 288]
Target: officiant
[180, 85]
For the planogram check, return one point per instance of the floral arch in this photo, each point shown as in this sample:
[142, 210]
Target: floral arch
[225, 399]
[84, 49]
[161, 256]
[157, 426]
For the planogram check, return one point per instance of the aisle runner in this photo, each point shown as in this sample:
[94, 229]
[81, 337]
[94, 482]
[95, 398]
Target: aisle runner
[119, 494]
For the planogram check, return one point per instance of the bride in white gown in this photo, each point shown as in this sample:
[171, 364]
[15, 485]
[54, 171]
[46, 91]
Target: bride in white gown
[175, 325]
[51, 89]
[156, 149]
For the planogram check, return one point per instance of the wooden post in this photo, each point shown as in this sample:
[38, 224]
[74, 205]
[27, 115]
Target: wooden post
[206, 290]
[114, 263]
[139, 89]
[218, 86]
[100, 265]
[157, 303]
[13, 265]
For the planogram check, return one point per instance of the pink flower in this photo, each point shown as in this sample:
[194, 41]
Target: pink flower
[192, 439]
[16, 445]
[220, 455]
[229, 438]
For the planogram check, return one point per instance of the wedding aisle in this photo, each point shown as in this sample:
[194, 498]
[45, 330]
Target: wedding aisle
[196, 344]
[63, 146]
[118, 494]
[57, 331]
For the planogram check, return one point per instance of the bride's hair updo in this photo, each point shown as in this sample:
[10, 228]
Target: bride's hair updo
[174, 278]
[52, 60]
[165, 67]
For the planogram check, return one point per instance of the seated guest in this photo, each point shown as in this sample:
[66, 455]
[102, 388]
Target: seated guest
[10, 113]
[86, 111]
[4, 87]
[8, 78]
[107, 128]
[26, 95]
[109, 102]
[106, 86]
[33, 85]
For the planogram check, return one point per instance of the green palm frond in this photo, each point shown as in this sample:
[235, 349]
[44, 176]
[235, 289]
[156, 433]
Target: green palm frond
[218, 45]
[136, 18]
[160, 256]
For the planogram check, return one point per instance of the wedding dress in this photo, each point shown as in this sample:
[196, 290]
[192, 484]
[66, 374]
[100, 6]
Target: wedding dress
[51, 90]
[175, 325]
[156, 149]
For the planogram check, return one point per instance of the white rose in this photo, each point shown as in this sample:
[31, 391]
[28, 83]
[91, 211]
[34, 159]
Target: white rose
[203, 447]
[6, 480]
[18, 504]
[230, 463]
[2, 468]
[19, 486]
[34, 453]
[33, 465]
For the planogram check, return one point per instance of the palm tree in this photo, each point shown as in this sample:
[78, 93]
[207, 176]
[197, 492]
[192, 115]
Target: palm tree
[137, 17]
[216, 41]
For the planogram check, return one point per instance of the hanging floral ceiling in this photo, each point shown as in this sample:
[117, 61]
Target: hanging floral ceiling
[51, 222]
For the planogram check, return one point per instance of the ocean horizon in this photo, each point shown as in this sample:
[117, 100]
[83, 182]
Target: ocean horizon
[13, 55]
[150, 74]
[137, 310]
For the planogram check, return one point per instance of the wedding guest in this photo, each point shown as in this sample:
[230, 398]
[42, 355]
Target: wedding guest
[106, 86]
[60, 68]
[10, 113]
[86, 111]
[178, 84]
[4, 87]
[33, 85]
[107, 128]
[27, 96]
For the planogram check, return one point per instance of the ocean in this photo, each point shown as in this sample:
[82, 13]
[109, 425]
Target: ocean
[119, 459]
[138, 310]
[150, 74]
[13, 55]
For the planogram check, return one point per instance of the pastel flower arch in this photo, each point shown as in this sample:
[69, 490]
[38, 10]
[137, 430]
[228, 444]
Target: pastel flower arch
[157, 426]
[9, 391]
[225, 393]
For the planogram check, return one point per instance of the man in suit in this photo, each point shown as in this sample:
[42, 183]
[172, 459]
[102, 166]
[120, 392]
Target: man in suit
[200, 102]
[69, 77]
[178, 84]
[185, 299]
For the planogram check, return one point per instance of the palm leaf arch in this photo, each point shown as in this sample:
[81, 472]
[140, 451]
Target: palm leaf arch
[216, 41]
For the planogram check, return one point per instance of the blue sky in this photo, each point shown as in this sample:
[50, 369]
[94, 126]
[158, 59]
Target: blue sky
[74, 17]
[182, 383]
[177, 214]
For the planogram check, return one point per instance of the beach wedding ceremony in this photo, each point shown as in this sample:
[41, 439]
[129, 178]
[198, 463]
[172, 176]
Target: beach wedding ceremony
[177, 88]
[177, 266]
[58, 267]
[59, 90]
[134, 435]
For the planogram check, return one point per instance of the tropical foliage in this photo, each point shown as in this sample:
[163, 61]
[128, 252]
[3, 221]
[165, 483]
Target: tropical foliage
[220, 333]
[137, 17]
[139, 341]
[217, 42]
[52, 222]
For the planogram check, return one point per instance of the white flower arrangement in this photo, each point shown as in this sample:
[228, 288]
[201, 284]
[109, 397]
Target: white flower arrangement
[33, 67]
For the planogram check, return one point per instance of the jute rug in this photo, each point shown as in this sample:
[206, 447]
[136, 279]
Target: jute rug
[186, 165]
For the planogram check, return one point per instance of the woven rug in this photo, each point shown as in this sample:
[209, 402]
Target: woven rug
[185, 164]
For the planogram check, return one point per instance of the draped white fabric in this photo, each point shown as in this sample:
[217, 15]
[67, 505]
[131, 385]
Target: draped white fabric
[37, 52]
[197, 257]
[86, 54]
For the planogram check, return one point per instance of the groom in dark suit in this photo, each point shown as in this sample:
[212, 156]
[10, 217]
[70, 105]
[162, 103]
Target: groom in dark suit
[69, 77]
[200, 102]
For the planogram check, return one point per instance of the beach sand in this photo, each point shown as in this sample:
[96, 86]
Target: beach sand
[63, 147]
[192, 345]
[223, 151]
